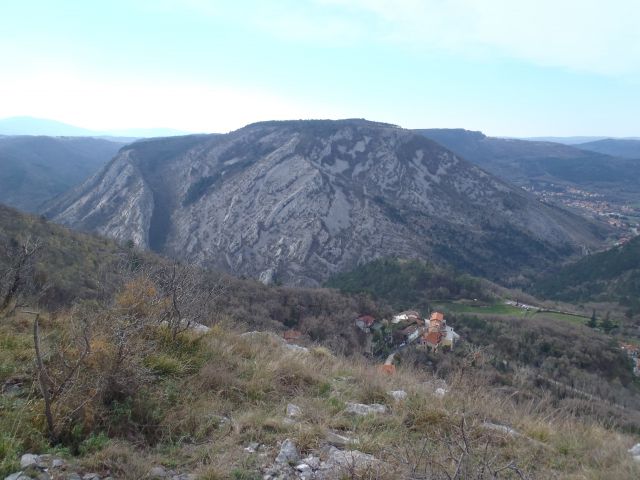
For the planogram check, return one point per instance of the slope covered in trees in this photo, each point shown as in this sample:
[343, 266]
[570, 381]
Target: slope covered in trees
[402, 282]
[612, 275]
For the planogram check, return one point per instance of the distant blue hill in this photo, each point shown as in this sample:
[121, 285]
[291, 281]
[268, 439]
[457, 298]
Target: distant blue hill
[569, 140]
[53, 128]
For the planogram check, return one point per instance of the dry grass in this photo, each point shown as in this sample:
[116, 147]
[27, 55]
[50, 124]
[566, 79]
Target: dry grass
[215, 395]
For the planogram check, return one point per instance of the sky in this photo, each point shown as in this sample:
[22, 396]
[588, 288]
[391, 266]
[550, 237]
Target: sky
[505, 67]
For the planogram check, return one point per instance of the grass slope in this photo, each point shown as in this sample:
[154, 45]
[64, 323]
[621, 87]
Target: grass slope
[205, 398]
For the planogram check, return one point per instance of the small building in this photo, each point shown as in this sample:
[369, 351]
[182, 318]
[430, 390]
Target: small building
[410, 316]
[365, 322]
[439, 333]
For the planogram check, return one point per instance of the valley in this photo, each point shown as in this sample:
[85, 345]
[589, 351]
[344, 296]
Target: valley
[319, 240]
[296, 246]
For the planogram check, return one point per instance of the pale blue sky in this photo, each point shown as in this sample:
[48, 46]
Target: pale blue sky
[522, 68]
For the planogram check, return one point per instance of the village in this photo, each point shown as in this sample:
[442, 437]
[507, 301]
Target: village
[633, 352]
[388, 337]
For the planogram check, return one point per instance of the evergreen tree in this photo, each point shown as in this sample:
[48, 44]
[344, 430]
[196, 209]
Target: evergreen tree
[593, 321]
[607, 325]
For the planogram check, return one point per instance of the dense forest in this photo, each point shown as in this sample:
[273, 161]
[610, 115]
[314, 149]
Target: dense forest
[612, 275]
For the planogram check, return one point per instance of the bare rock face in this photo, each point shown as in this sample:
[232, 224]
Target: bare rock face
[298, 201]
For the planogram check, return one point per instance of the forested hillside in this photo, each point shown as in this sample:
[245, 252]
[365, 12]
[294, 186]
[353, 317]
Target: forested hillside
[612, 275]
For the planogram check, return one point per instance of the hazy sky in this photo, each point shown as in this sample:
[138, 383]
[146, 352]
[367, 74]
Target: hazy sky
[507, 67]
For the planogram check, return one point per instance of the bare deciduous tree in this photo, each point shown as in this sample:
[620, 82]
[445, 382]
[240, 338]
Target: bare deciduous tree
[189, 296]
[54, 384]
[17, 258]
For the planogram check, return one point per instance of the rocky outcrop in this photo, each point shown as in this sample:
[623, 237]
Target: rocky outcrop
[296, 202]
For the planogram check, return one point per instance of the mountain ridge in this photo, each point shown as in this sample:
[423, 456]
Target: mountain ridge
[538, 163]
[25, 125]
[298, 201]
[35, 169]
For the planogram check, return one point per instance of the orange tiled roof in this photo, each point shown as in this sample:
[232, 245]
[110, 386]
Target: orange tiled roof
[432, 338]
[368, 320]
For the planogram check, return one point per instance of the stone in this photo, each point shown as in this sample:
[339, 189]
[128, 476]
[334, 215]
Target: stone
[73, 476]
[293, 411]
[296, 348]
[311, 461]
[252, 447]
[362, 409]
[635, 450]
[341, 463]
[398, 395]
[501, 428]
[158, 472]
[337, 440]
[440, 392]
[91, 476]
[27, 460]
[288, 452]
[57, 463]
[18, 476]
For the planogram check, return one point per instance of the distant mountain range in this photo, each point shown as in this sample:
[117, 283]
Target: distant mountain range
[617, 147]
[35, 169]
[41, 126]
[297, 201]
[573, 140]
[531, 163]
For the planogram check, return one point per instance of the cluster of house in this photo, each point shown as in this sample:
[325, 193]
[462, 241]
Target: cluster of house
[408, 328]
[633, 352]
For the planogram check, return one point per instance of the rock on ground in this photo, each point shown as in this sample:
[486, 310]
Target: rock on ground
[362, 409]
[288, 453]
[398, 395]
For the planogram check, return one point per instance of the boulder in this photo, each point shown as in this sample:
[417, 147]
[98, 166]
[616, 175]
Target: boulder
[501, 428]
[398, 395]
[343, 463]
[288, 453]
[296, 348]
[340, 441]
[311, 461]
[27, 460]
[18, 476]
[363, 409]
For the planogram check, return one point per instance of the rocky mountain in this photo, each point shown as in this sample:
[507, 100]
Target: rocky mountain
[35, 169]
[531, 163]
[618, 147]
[298, 201]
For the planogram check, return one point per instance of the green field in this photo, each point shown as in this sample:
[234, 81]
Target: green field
[502, 310]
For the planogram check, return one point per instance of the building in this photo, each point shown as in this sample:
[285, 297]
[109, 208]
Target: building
[365, 322]
[410, 316]
[439, 333]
